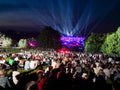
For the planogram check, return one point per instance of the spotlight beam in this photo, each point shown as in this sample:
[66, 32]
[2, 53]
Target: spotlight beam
[71, 17]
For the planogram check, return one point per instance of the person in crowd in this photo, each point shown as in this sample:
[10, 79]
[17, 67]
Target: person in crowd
[11, 61]
[4, 81]
[14, 76]
[27, 64]
[41, 80]
[33, 63]
[66, 71]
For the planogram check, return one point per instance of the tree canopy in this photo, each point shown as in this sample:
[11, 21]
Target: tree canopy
[49, 38]
[94, 42]
[7, 42]
[112, 43]
[22, 43]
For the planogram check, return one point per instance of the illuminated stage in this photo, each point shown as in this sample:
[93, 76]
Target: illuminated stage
[73, 42]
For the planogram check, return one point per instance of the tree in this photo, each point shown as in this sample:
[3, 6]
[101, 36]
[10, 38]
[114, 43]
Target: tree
[7, 42]
[112, 44]
[1, 39]
[94, 42]
[109, 45]
[49, 38]
[118, 41]
[22, 43]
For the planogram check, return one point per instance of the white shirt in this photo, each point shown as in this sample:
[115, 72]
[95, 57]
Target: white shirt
[16, 59]
[33, 64]
[14, 74]
[2, 61]
[53, 64]
[107, 72]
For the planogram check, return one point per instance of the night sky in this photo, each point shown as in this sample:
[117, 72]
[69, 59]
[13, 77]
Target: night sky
[70, 17]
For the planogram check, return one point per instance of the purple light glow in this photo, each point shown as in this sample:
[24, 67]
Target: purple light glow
[33, 44]
[71, 41]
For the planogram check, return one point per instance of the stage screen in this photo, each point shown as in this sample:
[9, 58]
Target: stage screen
[73, 42]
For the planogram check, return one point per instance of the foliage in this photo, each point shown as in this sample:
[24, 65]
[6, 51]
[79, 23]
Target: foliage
[22, 43]
[94, 42]
[109, 44]
[7, 42]
[118, 42]
[49, 38]
[112, 44]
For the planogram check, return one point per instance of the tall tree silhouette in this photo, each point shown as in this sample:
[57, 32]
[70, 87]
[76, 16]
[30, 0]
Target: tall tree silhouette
[49, 38]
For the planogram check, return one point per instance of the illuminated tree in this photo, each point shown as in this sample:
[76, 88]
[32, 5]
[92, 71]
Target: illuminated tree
[22, 43]
[118, 41]
[1, 38]
[89, 44]
[112, 44]
[94, 42]
[109, 45]
[7, 42]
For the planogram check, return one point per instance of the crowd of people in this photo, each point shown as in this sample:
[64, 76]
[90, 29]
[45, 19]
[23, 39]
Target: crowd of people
[59, 71]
